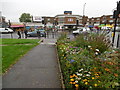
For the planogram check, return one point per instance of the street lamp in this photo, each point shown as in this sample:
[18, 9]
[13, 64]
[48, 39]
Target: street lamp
[84, 9]
[84, 13]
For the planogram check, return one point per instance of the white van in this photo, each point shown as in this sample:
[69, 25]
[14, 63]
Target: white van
[6, 30]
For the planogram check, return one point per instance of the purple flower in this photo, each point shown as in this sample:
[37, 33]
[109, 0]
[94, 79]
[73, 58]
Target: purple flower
[71, 61]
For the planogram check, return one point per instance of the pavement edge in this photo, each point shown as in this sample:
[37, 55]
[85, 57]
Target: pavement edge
[61, 75]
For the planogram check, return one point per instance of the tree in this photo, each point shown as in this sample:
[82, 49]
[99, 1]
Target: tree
[25, 17]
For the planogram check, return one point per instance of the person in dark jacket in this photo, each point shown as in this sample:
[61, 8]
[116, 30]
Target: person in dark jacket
[19, 34]
[25, 33]
[38, 34]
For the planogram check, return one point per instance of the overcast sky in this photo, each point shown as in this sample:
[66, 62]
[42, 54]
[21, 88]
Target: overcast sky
[12, 9]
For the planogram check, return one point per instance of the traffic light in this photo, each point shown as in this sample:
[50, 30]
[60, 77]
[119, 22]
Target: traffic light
[43, 22]
[115, 14]
[118, 7]
[77, 22]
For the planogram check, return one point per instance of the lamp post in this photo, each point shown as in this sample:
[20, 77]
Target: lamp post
[84, 13]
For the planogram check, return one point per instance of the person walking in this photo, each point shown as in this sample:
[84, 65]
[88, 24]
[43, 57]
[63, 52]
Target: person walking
[25, 31]
[19, 34]
[38, 34]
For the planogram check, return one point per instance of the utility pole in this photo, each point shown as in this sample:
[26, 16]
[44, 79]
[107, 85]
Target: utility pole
[84, 14]
[115, 15]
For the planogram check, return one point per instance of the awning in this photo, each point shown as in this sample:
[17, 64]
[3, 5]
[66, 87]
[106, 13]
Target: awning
[91, 26]
[17, 25]
[101, 25]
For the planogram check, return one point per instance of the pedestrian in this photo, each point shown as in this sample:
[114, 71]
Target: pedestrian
[38, 33]
[25, 31]
[19, 34]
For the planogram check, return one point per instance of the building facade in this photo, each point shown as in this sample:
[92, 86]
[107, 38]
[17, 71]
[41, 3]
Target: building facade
[68, 20]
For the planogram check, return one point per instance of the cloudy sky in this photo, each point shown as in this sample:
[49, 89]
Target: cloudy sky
[12, 9]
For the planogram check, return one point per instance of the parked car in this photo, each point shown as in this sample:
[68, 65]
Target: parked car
[81, 30]
[35, 34]
[6, 30]
[117, 28]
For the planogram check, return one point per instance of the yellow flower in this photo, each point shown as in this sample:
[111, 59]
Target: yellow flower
[93, 78]
[74, 75]
[86, 83]
[71, 79]
[71, 76]
[71, 82]
[98, 81]
[76, 85]
[95, 85]
[97, 76]
[84, 80]
[74, 82]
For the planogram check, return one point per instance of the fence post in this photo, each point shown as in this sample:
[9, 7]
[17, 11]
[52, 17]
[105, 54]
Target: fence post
[118, 41]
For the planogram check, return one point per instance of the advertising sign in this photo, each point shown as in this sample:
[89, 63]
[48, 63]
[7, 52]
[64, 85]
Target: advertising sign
[66, 12]
[37, 18]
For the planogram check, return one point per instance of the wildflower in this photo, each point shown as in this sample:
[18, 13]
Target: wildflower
[71, 76]
[76, 85]
[79, 74]
[72, 61]
[80, 69]
[95, 68]
[76, 81]
[79, 78]
[71, 79]
[71, 82]
[87, 75]
[95, 85]
[93, 78]
[98, 81]
[89, 72]
[86, 83]
[96, 53]
[106, 69]
[85, 71]
[74, 75]
[116, 75]
[97, 50]
[116, 83]
[96, 74]
[84, 80]
[89, 46]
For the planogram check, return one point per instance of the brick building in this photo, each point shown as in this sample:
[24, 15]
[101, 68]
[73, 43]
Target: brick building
[68, 20]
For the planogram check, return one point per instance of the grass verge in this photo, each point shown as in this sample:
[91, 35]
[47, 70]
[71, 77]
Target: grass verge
[12, 51]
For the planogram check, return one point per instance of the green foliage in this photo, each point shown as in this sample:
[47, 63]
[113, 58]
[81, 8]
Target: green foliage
[25, 17]
[19, 41]
[97, 41]
[83, 69]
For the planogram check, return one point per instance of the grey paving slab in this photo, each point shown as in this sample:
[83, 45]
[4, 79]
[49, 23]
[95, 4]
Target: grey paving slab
[37, 69]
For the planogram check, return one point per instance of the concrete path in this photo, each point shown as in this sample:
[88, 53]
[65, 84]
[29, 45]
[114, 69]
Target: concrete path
[37, 69]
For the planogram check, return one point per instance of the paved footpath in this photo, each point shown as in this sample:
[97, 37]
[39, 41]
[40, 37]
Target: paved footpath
[37, 69]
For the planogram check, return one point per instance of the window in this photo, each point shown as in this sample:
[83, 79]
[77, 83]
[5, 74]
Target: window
[98, 18]
[48, 19]
[70, 19]
[61, 20]
[110, 20]
[111, 16]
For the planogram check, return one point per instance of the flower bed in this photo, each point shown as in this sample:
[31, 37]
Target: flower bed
[86, 65]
